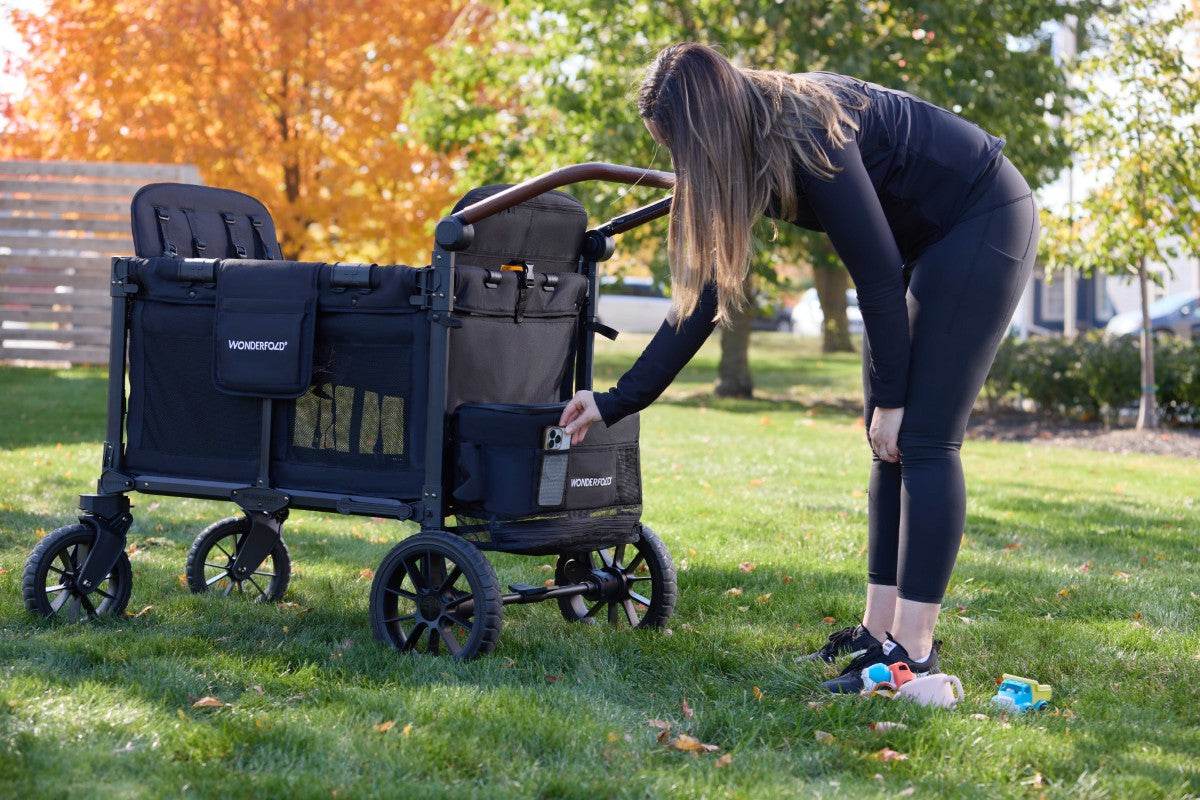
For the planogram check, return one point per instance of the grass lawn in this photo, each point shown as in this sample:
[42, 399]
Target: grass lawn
[1079, 569]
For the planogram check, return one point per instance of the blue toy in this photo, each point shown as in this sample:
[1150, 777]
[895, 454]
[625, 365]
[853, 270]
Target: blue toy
[1017, 694]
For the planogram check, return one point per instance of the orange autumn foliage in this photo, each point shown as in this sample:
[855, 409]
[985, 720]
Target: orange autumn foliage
[300, 103]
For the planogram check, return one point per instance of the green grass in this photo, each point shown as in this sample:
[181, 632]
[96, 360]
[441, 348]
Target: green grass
[1079, 569]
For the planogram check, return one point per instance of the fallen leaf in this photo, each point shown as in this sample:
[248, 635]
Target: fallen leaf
[658, 723]
[907, 792]
[966, 620]
[508, 664]
[140, 613]
[407, 729]
[1085, 567]
[758, 694]
[787, 578]
[209, 702]
[3, 571]
[1035, 781]
[1012, 546]
[1137, 615]
[690, 744]
[815, 704]
[763, 599]
[1063, 592]
[552, 679]
[182, 579]
[366, 574]
[823, 736]
[881, 727]
[179, 713]
[747, 566]
[545, 568]
[384, 727]
[687, 710]
[743, 608]
[754, 484]
[888, 754]
[979, 716]
[829, 620]
[723, 761]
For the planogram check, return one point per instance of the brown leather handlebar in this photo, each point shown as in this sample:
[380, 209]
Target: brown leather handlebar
[591, 171]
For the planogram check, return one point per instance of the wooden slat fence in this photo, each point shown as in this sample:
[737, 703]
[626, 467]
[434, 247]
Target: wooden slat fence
[60, 224]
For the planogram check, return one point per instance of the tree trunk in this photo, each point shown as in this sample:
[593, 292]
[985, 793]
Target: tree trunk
[831, 284]
[1147, 408]
[733, 370]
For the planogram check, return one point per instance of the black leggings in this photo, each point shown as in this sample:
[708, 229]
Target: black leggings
[961, 297]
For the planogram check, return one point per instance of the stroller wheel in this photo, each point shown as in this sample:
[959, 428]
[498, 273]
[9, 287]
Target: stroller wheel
[49, 580]
[624, 572]
[434, 589]
[210, 561]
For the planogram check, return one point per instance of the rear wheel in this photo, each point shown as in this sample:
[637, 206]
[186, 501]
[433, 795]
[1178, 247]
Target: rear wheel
[636, 583]
[53, 567]
[210, 564]
[434, 589]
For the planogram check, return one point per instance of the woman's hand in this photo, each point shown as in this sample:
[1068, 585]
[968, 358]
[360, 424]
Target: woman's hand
[885, 433]
[579, 415]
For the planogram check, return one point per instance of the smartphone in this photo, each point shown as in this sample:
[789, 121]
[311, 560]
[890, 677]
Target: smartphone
[555, 438]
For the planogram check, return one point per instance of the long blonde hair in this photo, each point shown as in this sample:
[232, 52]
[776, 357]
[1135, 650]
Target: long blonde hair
[735, 136]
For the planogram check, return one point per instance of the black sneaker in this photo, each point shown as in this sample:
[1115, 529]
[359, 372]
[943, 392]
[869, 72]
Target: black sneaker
[851, 682]
[853, 641]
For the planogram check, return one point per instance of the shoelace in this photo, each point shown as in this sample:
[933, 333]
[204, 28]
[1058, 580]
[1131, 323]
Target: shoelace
[837, 640]
[873, 654]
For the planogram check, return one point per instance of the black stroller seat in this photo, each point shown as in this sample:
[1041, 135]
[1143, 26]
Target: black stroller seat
[182, 220]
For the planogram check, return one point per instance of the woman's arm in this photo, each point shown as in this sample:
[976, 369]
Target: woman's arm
[651, 374]
[849, 210]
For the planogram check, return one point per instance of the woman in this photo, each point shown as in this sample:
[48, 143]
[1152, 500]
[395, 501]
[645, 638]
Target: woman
[938, 232]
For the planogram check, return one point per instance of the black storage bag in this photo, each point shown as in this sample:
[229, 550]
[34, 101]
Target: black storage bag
[182, 220]
[513, 494]
[266, 315]
[518, 336]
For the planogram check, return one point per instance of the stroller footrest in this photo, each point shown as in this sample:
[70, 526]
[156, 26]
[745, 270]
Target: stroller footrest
[525, 590]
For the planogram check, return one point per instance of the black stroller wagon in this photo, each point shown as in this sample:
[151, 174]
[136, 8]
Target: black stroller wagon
[425, 394]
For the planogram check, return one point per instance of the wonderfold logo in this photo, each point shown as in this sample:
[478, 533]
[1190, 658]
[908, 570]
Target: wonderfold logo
[242, 344]
[587, 483]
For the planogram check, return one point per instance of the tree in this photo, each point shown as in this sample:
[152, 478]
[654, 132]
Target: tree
[1136, 131]
[301, 103]
[550, 84]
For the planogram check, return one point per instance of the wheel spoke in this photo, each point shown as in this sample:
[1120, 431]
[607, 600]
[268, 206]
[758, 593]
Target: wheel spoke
[458, 601]
[400, 593]
[87, 603]
[606, 557]
[457, 620]
[59, 601]
[264, 574]
[57, 588]
[631, 614]
[223, 550]
[451, 578]
[224, 566]
[633, 578]
[106, 594]
[412, 571]
[637, 562]
[213, 580]
[56, 569]
[451, 642]
[619, 554]
[640, 599]
[410, 641]
[229, 589]
[435, 638]
[427, 570]
[612, 613]
[256, 586]
[592, 611]
[74, 607]
[391, 620]
[65, 557]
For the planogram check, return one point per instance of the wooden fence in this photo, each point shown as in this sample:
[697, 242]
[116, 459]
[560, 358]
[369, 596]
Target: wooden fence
[60, 224]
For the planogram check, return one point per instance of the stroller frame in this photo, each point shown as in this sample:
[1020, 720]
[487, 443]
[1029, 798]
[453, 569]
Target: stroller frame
[440, 605]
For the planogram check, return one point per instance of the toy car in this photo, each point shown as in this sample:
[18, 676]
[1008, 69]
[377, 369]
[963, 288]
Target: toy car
[1017, 694]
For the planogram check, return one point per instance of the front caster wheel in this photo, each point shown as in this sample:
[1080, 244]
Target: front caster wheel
[50, 573]
[437, 588]
[210, 564]
[621, 574]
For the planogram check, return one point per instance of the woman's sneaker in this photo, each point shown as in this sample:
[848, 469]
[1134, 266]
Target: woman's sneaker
[853, 641]
[851, 682]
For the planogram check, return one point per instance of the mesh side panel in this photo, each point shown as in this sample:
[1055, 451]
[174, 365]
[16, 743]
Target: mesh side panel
[357, 413]
[556, 533]
[629, 475]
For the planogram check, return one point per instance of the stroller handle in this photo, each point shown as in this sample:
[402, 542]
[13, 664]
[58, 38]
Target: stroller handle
[594, 170]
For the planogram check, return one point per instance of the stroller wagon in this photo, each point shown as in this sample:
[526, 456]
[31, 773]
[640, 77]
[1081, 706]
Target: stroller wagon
[426, 394]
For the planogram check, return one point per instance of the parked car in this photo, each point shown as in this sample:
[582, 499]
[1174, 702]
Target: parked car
[631, 304]
[808, 319]
[1177, 314]
[770, 316]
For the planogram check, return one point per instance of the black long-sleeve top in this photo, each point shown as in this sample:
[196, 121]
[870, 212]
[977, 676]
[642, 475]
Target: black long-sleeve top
[900, 183]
